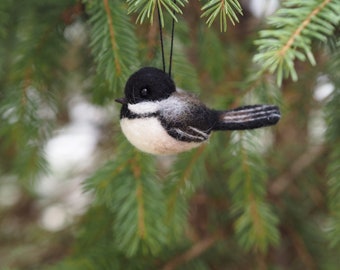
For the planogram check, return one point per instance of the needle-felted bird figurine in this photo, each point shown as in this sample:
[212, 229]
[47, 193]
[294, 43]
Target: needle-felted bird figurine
[159, 119]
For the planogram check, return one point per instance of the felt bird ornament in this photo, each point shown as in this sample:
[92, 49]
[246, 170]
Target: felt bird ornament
[159, 119]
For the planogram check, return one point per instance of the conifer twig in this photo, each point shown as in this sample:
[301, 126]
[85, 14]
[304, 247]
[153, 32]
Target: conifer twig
[112, 36]
[255, 226]
[181, 182]
[146, 9]
[114, 47]
[301, 27]
[224, 9]
[140, 199]
[292, 33]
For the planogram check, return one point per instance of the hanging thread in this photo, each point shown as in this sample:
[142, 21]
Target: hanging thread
[172, 41]
[161, 35]
[161, 38]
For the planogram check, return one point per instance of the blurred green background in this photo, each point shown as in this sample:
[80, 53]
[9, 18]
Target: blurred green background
[75, 195]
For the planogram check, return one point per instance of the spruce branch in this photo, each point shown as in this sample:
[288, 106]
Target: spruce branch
[114, 46]
[30, 65]
[224, 9]
[113, 40]
[255, 227]
[184, 176]
[294, 27]
[128, 187]
[5, 25]
[136, 169]
[188, 173]
[333, 140]
[146, 9]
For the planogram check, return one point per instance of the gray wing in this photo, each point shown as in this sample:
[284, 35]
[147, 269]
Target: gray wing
[188, 134]
[185, 118]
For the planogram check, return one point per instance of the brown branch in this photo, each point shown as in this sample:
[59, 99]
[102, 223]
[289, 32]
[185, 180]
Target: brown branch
[301, 249]
[196, 250]
[298, 166]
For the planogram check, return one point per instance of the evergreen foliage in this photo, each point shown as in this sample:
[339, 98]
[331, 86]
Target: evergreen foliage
[146, 8]
[224, 9]
[245, 200]
[127, 186]
[295, 25]
[30, 70]
[333, 131]
[255, 226]
[113, 45]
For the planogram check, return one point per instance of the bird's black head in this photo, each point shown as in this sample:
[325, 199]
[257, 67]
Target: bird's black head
[147, 84]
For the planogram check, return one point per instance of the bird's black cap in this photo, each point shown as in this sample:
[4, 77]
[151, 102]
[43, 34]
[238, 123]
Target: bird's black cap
[147, 84]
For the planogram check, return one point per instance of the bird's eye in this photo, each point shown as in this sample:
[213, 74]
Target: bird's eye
[144, 92]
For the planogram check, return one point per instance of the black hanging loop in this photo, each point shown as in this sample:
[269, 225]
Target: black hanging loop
[172, 41]
[161, 38]
[161, 35]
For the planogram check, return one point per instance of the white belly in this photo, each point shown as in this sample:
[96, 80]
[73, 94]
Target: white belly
[148, 135]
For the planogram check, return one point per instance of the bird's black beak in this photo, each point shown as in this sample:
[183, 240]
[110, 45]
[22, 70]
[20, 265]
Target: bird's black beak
[121, 100]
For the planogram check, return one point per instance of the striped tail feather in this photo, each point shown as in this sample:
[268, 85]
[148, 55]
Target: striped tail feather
[248, 117]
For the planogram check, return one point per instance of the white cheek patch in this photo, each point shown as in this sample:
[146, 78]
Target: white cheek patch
[145, 107]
